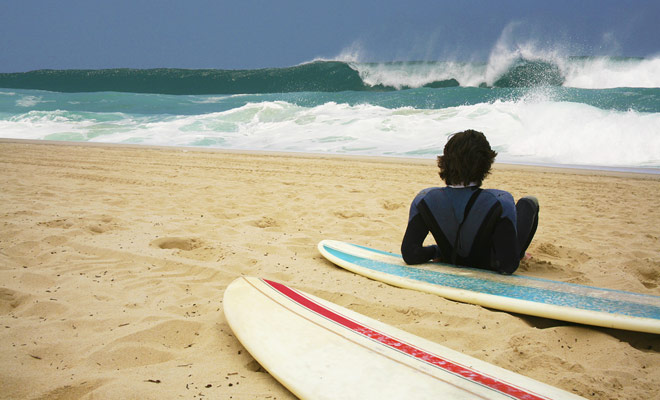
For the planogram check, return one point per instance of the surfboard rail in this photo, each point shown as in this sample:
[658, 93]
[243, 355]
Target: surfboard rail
[320, 350]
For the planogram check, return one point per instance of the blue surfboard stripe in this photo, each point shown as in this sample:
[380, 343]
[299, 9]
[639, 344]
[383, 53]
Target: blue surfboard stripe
[565, 286]
[544, 296]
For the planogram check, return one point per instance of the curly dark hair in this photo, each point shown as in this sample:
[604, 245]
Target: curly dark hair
[467, 158]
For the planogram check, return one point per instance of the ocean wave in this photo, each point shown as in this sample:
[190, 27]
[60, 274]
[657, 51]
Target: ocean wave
[339, 76]
[524, 130]
[517, 70]
[312, 77]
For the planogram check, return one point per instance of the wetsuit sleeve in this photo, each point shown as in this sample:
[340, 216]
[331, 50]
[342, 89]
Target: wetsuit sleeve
[412, 247]
[506, 257]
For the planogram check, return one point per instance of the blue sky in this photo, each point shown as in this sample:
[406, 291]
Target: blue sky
[245, 34]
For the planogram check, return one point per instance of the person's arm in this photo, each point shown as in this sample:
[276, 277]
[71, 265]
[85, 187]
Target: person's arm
[506, 248]
[412, 247]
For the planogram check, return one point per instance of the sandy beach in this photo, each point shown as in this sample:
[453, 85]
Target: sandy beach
[114, 259]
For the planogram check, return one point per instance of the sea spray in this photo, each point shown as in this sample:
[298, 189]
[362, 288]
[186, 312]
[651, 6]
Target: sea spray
[609, 72]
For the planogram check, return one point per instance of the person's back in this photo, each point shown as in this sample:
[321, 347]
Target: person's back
[471, 226]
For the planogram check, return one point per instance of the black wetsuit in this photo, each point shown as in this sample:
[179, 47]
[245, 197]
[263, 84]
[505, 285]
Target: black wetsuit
[494, 231]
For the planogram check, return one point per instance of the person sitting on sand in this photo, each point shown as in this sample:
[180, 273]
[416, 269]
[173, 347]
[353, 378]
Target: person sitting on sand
[481, 228]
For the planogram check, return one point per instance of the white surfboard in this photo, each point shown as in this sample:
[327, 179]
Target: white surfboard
[319, 350]
[515, 293]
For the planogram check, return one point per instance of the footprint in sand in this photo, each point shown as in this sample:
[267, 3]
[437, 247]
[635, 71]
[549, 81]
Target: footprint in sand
[10, 300]
[266, 222]
[348, 214]
[391, 205]
[560, 252]
[555, 262]
[99, 224]
[186, 244]
[64, 223]
[647, 271]
[102, 224]
[191, 248]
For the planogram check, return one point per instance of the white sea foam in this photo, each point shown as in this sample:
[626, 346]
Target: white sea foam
[585, 73]
[532, 130]
[602, 73]
[209, 99]
[28, 101]
[400, 75]
[511, 47]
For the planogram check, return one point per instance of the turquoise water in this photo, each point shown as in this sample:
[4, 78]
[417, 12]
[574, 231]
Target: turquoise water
[602, 112]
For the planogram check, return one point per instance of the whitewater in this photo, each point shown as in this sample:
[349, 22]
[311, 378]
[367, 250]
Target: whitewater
[586, 111]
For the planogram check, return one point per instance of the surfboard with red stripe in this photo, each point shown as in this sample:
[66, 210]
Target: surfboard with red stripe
[320, 350]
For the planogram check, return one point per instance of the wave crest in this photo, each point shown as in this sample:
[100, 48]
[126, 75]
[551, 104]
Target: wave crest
[338, 76]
